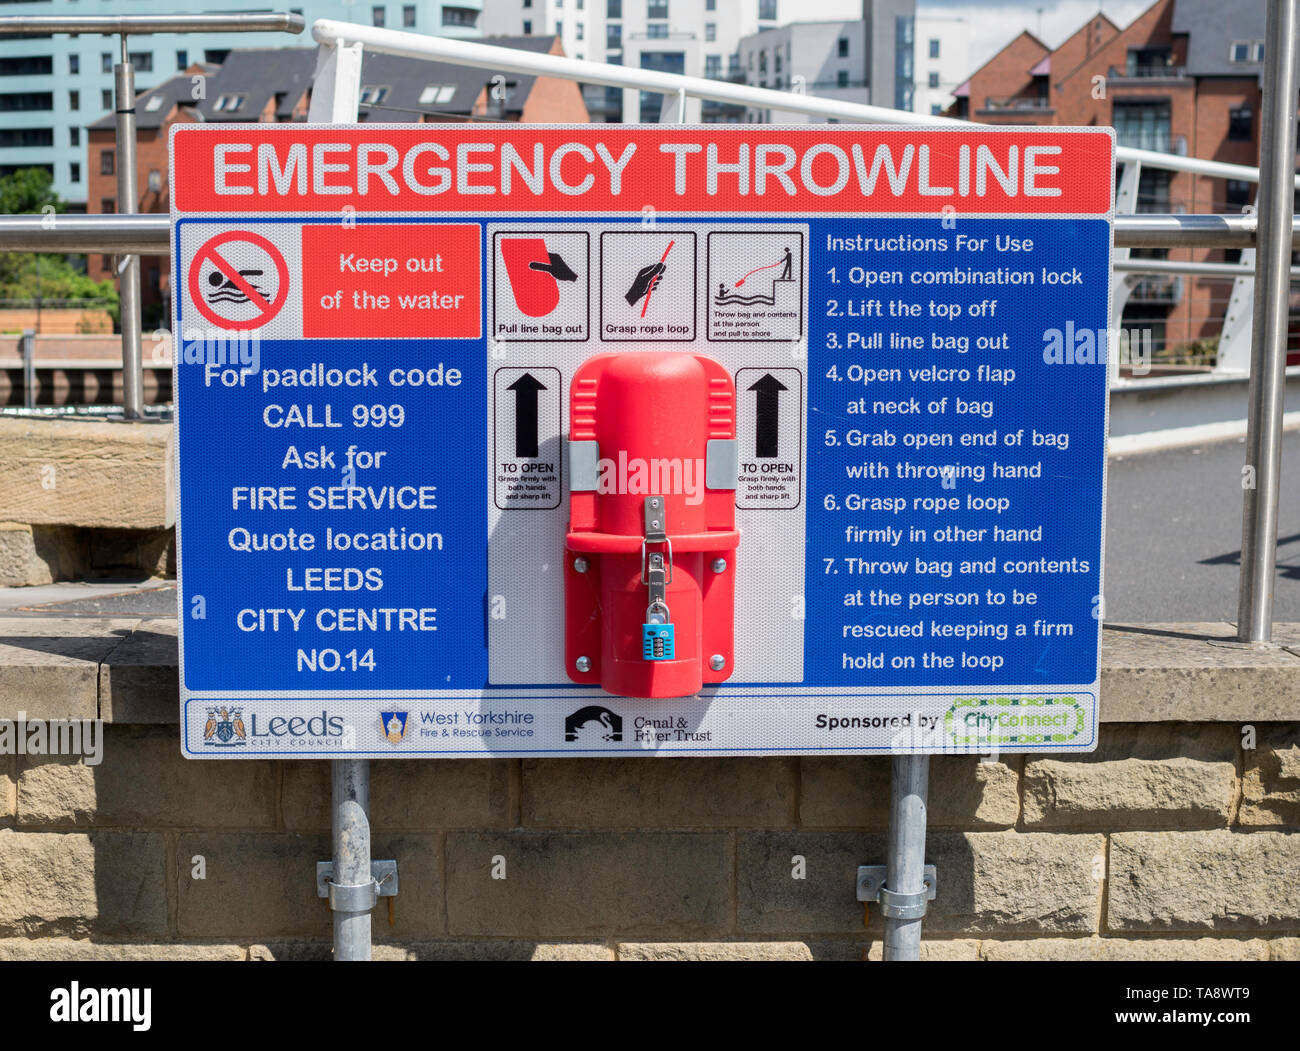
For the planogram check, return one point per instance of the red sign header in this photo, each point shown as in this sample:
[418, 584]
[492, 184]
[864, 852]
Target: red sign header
[473, 168]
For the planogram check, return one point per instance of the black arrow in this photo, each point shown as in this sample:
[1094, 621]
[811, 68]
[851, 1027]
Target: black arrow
[767, 438]
[526, 388]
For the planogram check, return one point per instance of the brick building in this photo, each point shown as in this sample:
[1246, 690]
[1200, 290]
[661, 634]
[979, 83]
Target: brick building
[273, 85]
[1182, 78]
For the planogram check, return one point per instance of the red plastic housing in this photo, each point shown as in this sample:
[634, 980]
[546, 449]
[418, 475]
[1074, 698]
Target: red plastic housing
[652, 415]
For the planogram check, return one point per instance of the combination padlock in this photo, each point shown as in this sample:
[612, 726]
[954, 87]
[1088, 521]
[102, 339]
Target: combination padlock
[657, 634]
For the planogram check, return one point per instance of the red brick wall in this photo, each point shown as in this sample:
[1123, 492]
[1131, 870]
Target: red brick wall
[1083, 93]
[1004, 75]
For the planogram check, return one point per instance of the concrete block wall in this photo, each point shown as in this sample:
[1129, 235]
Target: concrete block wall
[1179, 838]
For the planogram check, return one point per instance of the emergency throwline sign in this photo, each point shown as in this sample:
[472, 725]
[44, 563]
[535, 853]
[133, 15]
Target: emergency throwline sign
[399, 348]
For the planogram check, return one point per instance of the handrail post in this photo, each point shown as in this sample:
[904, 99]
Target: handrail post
[128, 266]
[1269, 330]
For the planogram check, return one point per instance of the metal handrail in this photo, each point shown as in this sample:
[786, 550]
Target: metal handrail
[136, 25]
[529, 63]
[124, 98]
[147, 234]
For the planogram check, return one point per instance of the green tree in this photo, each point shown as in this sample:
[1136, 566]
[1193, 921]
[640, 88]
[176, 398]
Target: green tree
[28, 275]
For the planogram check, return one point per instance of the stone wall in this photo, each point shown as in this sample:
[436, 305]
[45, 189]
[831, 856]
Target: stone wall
[1179, 838]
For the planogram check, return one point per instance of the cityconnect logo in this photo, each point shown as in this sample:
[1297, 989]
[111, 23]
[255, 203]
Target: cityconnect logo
[991, 721]
[593, 723]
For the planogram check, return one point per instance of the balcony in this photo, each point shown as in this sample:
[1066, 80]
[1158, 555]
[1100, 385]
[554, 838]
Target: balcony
[1029, 103]
[1156, 288]
[1147, 73]
[1157, 142]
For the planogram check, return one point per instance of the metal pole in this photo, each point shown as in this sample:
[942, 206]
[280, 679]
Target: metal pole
[1269, 330]
[147, 234]
[268, 22]
[351, 827]
[909, 791]
[128, 266]
[29, 368]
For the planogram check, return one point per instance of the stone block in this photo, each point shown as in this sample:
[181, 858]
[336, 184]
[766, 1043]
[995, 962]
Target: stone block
[1142, 775]
[1216, 880]
[589, 884]
[658, 793]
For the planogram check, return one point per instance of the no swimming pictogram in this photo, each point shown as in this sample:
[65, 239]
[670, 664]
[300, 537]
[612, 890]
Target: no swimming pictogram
[238, 280]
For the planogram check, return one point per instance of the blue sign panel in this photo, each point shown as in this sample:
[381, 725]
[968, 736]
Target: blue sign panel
[378, 434]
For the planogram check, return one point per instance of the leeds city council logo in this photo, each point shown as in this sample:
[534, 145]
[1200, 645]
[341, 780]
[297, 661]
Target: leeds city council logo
[225, 728]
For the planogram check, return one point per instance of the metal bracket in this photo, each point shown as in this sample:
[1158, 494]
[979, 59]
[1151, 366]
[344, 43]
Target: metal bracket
[871, 887]
[357, 897]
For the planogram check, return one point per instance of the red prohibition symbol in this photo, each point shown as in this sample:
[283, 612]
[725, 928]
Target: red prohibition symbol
[240, 289]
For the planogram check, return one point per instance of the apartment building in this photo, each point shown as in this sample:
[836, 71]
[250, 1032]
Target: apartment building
[52, 87]
[699, 38]
[1184, 78]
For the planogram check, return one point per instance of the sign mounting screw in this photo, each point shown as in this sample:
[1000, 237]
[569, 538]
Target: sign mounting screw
[717, 662]
[719, 565]
[583, 664]
[580, 565]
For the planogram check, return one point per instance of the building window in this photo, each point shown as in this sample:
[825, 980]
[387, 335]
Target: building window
[74, 64]
[842, 47]
[106, 99]
[106, 162]
[733, 65]
[229, 103]
[528, 27]
[372, 95]
[155, 103]
[408, 15]
[579, 30]
[182, 59]
[934, 48]
[436, 94]
[528, 3]
[106, 62]
[935, 109]
[713, 66]
[762, 61]
[933, 80]
[376, 16]
[710, 5]
[108, 205]
[710, 31]
[657, 31]
[613, 36]
[842, 78]
[1144, 126]
[767, 10]
[1246, 51]
[142, 60]
[613, 8]
[216, 56]
[463, 17]
[74, 100]
[1241, 124]
[74, 136]
[656, 9]
[776, 61]
[1236, 194]
[74, 172]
